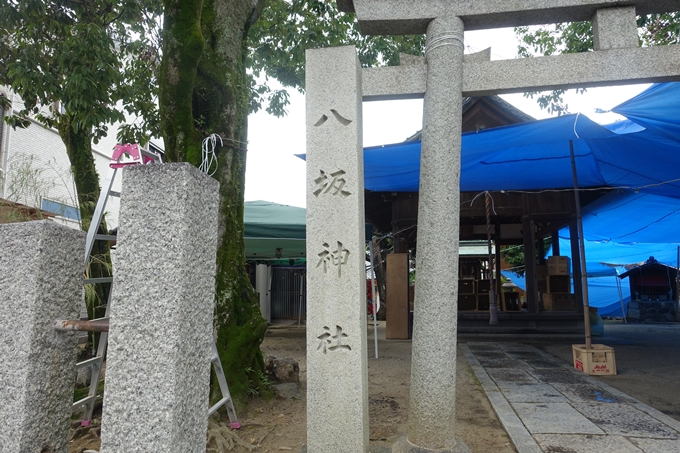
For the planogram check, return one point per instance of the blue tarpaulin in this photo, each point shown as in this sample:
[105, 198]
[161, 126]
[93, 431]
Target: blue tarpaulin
[638, 158]
[656, 109]
[536, 156]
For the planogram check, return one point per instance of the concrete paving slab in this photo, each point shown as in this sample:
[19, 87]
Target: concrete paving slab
[490, 355]
[522, 355]
[556, 376]
[554, 418]
[517, 347]
[482, 347]
[511, 375]
[541, 363]
[506, 362]
[586, 392]
[530, 393]
[656, 445]
[518, 433]
[574, 412]
[574, 443]
[625, 420]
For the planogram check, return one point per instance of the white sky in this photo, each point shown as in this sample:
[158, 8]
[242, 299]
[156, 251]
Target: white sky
[274, 174]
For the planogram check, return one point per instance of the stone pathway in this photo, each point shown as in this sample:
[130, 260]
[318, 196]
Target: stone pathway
[549, 407]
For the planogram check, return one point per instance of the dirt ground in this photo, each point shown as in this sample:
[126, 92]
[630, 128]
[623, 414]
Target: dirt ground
[280, 425]
[647, 365]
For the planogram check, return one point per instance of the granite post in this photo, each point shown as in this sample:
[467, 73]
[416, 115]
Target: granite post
[615, 28]
[41, 280]
[432, 415]
[337, 379]
[158, 366]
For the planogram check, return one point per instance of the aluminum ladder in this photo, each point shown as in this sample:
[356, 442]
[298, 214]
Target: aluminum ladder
[135, 155]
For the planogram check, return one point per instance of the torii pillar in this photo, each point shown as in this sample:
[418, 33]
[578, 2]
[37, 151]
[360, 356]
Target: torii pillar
[443, 79]
[433, 365]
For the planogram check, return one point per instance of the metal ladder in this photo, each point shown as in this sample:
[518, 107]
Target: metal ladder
[137, 156]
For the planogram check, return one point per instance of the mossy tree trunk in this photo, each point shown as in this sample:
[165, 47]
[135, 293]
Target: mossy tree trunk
[203, 91]
[78, 144]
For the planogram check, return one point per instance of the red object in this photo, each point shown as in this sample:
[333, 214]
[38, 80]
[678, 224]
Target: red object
[131, 150]
[369, 296]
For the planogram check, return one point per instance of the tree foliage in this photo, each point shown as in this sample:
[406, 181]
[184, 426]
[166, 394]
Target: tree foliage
[80, 66]
[513, 256]
[286, 29]
[653, 30]
[81, 60]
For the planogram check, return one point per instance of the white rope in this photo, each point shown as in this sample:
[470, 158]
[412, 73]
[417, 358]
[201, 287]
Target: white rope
[576, 121]
[444, 39]
[208, 154]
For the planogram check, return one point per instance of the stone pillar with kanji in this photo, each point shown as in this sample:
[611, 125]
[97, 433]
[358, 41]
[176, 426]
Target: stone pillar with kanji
[337, 378]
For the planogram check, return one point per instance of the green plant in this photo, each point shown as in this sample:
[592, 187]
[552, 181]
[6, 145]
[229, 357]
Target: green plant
[253, 387]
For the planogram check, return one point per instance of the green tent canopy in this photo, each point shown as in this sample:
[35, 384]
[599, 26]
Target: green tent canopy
[274, 231]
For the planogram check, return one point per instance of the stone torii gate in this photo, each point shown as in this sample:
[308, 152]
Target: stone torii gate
[337, 383]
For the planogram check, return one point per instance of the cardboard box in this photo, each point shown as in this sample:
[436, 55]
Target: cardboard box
[557, 259]
[559, 265]
[557, 270]
[599, 360]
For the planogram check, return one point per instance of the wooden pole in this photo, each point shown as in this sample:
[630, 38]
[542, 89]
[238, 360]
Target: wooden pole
[493, 308]
[582, 248]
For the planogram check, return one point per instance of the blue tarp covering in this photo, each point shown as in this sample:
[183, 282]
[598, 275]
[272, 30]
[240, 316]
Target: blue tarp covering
[639, 158]
[535, 156]
[626, 226]
[603, 293]
[656, 109]
[622, 228]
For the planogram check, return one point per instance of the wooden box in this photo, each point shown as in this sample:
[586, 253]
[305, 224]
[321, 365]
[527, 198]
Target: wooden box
[467, 302]
[466, 286]
[483, 286]
[483, 302]
[559, 284]
[559, 302]
[599, 360]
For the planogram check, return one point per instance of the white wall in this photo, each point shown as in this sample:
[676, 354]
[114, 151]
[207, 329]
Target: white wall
[35, 165]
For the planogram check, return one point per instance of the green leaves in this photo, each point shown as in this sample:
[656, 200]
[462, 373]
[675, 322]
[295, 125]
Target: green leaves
[655, 29]
[75, 55]
[286, 28]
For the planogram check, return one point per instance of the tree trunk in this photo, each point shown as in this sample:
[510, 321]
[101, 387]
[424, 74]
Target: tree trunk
[203, 91]
[79, 149]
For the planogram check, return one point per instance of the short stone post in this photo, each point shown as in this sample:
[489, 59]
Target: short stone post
[337, 379]
[432, 414]
[41, 280]
[158, 366]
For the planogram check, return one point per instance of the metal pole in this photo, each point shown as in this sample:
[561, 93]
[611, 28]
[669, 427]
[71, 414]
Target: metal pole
[299, 298]
[493, 308]
[623, 311]
[677, 289]
[582, 248]
[375, 310]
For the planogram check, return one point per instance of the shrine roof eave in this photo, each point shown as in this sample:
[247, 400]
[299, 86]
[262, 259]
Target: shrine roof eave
[400, 17]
